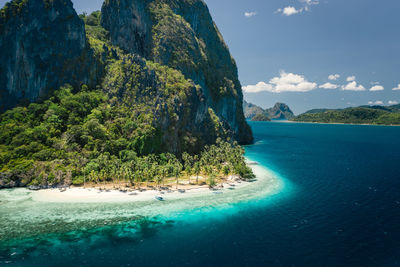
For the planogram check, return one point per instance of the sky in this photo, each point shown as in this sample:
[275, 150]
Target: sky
[309, 53]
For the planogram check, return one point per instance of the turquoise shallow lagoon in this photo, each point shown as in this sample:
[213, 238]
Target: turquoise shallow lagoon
[334, 201]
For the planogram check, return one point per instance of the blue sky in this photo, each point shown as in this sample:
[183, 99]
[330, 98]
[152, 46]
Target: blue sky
[287, 49]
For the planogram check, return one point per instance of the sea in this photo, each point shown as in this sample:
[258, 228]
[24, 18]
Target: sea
[336, 203]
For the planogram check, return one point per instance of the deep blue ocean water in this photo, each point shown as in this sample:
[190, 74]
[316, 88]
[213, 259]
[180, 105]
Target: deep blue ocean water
[340, 207]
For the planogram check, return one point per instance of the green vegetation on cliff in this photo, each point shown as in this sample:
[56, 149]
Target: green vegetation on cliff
[182, 35]
[359, 115]
[76, 136]
[12, 8]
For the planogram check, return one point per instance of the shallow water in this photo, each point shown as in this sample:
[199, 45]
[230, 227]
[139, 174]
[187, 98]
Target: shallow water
[337, 203]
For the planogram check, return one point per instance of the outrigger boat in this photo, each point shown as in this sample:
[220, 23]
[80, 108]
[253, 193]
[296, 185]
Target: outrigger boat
[159, 198]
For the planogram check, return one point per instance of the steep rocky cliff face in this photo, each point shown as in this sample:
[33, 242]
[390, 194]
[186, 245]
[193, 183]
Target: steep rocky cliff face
[123, 50]
[43, 46]
[182, 35]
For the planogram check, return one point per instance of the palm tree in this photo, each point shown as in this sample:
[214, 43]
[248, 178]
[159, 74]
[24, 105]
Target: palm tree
[97, 177]
[160, 174]
[126, 174]
[164, 171]
[154, 172]
[114, 174]
[146, 175]
[188, 161]
[211, 180]
[226, 171]
[197, 171]
[84, 177]
[93, 177]
[103, 177]
[177, 170]
[138, 175]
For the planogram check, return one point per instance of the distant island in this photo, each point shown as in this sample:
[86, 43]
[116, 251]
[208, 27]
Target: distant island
[279, 111]
[379, 115]
[260, 117]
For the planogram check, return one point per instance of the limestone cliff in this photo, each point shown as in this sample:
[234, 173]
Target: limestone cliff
[49, 45]
[43, 46]
[182, 35]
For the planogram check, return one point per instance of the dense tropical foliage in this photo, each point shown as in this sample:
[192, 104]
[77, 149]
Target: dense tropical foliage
[79, 137]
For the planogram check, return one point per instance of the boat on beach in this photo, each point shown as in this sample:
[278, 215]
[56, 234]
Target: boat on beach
[34, 188]
[159, 198]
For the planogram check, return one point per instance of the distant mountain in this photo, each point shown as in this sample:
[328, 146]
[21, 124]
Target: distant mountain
[383, 115]
[251, 110]
[280, 111]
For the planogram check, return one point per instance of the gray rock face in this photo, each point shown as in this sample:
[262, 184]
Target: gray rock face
[181, 34]
[129, 25]
[251, 110]
[43, 46]
[279, 111]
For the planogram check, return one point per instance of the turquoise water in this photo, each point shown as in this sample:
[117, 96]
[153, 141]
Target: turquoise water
[337, 203]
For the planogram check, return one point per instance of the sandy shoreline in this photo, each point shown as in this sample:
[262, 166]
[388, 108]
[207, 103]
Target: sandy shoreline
[95, 195]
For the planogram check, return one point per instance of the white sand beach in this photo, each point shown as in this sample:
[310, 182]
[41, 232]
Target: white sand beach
[266, 180]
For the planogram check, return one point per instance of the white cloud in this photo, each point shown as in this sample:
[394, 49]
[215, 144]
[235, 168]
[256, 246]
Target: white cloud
[310, 2]
[351, 78]
[329, 86]
[376, 103]
[259, 87]
[286, 82]
[333, 77]
[353, 86]
[289, 10]
[249, 14]
[392, 102]
[377, 88]
[397, 88]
